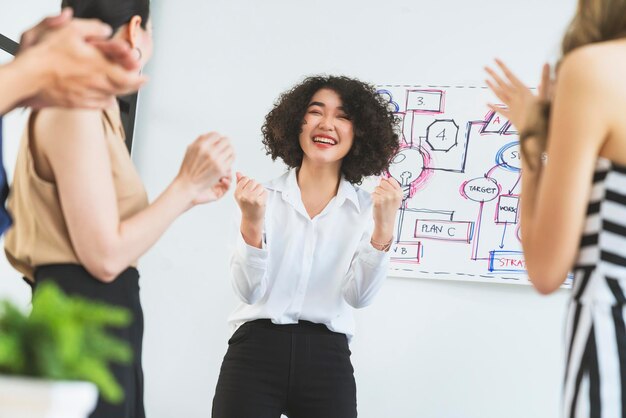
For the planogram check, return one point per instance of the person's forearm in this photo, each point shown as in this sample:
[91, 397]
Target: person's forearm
[531, 176]
[366, 274]
[530, 184]
[19, 80]
[531, 180]
[382, 233]
[382, 236]
[248, 267]
[139, 233]
[252, 233]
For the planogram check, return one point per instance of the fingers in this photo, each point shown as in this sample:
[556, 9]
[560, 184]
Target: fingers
[504, 89]
[502, 94]
[501, 84]
[247, 184]
[385, 186]
[222, 153]
[226, 158]
[226, 181]
[256, 192]
[34, 35]
[70, 100]
[222, 187]
[94, 103]
[504, 111]
[93, 94]
[27, 40]
[119, 52]
[210, 139]
[91, 29]
[544, 86]
[54, 22]
[509, 74]
[388, 190]
[220, 146]
[213, 153]
[390, 184]
[80, 67]
[77, 98]
[498, 91]
[122, 81]
[242, 181]
[248, 187]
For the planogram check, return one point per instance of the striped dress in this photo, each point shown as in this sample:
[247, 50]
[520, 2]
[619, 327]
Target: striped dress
[595, 374]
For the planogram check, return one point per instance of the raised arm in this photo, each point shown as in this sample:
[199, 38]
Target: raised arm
[554, 197]
[249, 261]
[69, 63]
[370, 263]
[73, 143]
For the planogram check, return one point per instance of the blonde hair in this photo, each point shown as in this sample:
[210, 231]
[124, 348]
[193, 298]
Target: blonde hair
[595, 21]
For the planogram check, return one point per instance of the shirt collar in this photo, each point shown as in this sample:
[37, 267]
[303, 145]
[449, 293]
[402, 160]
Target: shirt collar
[347, 191]
[287, 185]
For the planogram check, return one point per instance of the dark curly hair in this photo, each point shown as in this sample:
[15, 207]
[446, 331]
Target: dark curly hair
[375, 137]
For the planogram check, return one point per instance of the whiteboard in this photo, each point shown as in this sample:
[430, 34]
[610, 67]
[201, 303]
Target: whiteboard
[459, 165]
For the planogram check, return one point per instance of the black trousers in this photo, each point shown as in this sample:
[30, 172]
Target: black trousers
[123, 291]
[301, 370]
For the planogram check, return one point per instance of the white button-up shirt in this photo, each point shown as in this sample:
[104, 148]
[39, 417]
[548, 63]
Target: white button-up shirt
[309, 269]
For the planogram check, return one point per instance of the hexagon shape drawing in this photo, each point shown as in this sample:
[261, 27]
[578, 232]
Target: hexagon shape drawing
[442, 135]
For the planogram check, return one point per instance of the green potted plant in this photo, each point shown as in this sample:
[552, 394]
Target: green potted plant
[54, 361]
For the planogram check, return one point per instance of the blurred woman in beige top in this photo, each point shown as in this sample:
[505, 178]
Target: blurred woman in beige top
[81, 215]
[40, 236]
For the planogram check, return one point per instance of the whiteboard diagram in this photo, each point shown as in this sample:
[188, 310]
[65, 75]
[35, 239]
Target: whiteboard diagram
[459, 166]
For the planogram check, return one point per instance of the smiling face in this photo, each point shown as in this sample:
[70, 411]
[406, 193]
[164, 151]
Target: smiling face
[327, 132]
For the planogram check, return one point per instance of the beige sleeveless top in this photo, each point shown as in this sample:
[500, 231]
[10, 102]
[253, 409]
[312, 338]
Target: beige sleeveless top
[39, 233]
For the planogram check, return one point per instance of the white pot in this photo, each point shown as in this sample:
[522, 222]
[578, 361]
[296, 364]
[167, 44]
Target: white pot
[22, 397]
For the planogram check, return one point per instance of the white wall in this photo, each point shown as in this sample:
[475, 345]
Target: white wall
[424, 349]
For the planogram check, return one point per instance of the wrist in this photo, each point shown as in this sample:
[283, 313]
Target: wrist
[252, 215]
[19, 81]
[383, 229]
[252, 233]
[33, 77]
[252, 227]
[381, 235]
[381, 245]
[533, 136]
[184, 193]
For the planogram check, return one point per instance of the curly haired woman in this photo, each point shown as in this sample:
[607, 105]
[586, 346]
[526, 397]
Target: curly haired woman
[312, 246]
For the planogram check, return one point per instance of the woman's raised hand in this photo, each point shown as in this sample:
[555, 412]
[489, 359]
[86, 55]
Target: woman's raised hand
[206, 169]
[521, 103]
[386, 200]
[252, 199]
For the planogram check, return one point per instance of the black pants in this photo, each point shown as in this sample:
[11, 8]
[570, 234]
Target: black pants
[123, 291]
[301, 370]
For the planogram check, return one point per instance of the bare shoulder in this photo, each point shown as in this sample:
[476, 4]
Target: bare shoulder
[66, 125]
[598, 65]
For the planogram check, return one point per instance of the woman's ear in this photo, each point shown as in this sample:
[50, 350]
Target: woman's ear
[133, 31]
